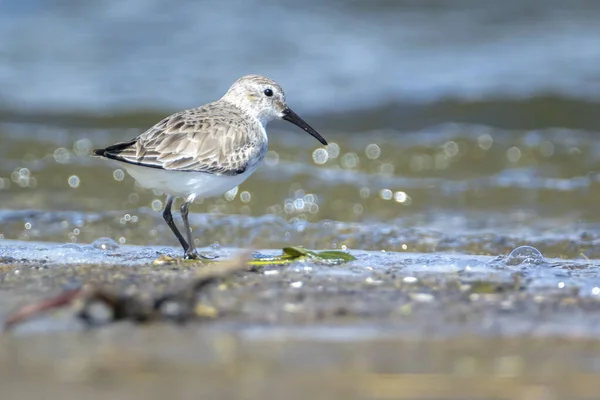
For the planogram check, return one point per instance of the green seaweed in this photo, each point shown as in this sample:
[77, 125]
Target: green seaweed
[292, 254]
[288, 256]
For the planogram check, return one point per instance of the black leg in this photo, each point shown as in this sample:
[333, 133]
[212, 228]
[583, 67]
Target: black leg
[169, 219]
[191, 250]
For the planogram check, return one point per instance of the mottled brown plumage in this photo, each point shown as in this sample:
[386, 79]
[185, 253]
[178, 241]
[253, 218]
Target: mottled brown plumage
[217, 138]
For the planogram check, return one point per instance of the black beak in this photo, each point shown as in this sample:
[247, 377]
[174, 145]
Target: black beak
[292, 117]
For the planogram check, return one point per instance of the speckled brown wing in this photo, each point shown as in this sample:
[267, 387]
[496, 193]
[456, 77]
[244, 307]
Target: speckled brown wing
[215, 138]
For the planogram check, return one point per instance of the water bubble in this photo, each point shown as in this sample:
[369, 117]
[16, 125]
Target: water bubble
[525, 255]
[485, 141]
[400, 197]
[133, 198]
[230, 194]
[349, 160]
[299, 204]
[451, 149]
[157, 205]
[386, 194]
[73, 247]
[118, 174]
[61, 155]
[272, 158]
[333, 150]
[28, 225]
[82, 147]
[74, 181]
[313, 208]
[596, 291]
[372, 151]
[310, 198]
[357, 209]
[320, 156]
[288, 208]
[122, 240]
[105, 243]
[513, 154]
[245, 197]
[21, 176]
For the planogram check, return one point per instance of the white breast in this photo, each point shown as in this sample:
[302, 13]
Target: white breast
[188, 185]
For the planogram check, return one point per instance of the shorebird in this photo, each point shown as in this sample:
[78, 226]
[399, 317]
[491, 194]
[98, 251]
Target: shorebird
[206, 151]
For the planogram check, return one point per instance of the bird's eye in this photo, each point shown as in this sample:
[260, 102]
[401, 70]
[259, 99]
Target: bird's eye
[268, 92]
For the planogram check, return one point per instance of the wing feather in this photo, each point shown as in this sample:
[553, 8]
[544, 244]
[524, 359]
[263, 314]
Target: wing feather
[215, 138]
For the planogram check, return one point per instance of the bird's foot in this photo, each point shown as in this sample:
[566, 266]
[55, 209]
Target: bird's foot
[188, 257]
[192, 254]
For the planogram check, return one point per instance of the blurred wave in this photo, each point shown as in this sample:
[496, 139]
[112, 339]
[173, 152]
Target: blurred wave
[134, 54]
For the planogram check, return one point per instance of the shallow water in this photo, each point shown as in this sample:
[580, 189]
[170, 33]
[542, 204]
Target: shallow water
[453, 187]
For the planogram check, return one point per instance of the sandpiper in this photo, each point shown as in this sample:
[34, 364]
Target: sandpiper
[206, 151]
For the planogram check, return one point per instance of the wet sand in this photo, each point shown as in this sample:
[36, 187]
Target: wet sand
[377, 327]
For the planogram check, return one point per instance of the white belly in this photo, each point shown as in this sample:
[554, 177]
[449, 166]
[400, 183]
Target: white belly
[189, 185]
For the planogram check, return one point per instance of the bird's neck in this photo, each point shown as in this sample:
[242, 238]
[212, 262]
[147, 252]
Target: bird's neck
[247, 108]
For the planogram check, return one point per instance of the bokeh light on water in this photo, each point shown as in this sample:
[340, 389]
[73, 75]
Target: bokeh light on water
[428, 179]
[320, 156]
